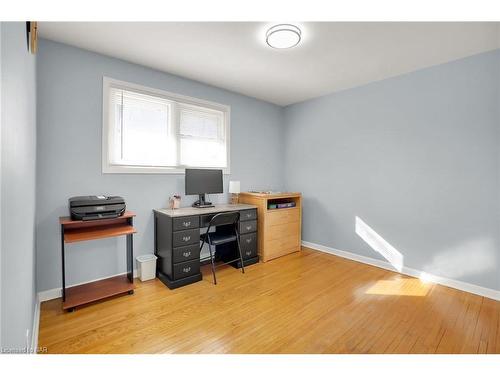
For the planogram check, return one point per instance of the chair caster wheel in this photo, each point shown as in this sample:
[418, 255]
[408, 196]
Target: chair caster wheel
[130, 292]
[71, 310]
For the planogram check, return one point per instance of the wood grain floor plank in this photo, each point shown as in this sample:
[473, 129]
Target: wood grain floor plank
[307, 302]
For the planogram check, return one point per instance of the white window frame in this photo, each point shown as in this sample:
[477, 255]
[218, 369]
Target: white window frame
[108, 167]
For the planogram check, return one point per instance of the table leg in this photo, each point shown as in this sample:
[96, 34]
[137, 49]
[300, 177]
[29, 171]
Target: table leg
[63, 265]
[130, 254]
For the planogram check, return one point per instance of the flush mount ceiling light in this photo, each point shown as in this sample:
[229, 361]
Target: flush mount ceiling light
[283, 36]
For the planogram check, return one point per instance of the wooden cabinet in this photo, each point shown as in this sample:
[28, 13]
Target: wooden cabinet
[279, 229]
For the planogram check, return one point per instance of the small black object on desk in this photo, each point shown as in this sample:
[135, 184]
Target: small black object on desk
[203, 181]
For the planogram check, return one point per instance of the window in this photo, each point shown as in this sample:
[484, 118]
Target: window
[152, 131]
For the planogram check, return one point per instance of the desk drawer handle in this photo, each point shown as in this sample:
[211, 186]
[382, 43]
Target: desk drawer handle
[186, 223]
[249, 215]
[186, 269]
[186, 254]
[186, 238]
[248, 252]
[249, 227]
[249, 240]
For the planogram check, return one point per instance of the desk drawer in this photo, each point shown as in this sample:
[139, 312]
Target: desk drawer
[186, 237]
[186, 269]
[205, 220]
[186, 222]
[279, 245]
[282, 230]
[249, 253]
[248, 242]
[248, 226]
[246, 215]
[185, 253]
[282, 216]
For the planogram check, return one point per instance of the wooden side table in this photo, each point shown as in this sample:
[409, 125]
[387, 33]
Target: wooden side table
[279, 229]
[77, 231]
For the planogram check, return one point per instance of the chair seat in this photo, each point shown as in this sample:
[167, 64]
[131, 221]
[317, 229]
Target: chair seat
[219, 239]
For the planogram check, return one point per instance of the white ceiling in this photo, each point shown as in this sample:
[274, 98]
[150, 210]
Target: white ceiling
[332, 56]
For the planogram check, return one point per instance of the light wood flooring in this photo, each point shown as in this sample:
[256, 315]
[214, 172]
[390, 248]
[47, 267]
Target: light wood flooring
[307, 302]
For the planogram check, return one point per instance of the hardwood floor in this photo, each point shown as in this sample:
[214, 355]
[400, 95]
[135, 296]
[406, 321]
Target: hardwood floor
[307, 302]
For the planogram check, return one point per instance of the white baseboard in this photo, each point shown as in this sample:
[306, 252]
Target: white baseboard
[47, 295]
[36, 326]
[456, 284]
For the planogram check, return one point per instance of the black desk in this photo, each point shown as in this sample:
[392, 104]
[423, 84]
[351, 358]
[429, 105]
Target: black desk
[177, 241]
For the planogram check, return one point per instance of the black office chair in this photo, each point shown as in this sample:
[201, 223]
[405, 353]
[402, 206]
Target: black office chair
[214, 238]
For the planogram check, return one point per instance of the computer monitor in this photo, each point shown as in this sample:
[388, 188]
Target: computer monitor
[203, 181]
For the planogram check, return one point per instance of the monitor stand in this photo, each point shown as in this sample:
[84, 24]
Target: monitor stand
[201, 203]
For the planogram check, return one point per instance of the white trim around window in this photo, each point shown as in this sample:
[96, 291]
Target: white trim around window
[175, 103]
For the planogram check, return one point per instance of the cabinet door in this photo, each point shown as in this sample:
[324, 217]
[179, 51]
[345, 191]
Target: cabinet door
[281, 246]
[282, 216]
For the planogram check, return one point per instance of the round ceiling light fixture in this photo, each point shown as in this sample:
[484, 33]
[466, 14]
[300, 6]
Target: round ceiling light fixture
[283, 36]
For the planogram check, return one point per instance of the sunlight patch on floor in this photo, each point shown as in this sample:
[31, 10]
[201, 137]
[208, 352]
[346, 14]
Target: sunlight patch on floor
[400, 287]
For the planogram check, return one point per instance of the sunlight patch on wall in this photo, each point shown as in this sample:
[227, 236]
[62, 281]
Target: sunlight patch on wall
[468, 258]
[377, 243]
[400, 287]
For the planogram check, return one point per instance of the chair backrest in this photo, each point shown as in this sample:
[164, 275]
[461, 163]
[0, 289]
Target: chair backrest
[225, 218]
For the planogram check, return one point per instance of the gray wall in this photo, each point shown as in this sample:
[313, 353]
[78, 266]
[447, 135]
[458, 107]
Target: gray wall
[69, 155]
[416, 158]
[18, 171]
[1, 304]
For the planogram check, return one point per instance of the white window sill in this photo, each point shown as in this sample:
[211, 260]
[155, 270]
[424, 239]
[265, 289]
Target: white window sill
[127, 169]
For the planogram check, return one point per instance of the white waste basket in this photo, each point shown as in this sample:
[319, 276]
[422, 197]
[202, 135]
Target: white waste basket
[147, 266]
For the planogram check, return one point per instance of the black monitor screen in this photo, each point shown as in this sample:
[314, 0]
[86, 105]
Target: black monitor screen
[201, 181]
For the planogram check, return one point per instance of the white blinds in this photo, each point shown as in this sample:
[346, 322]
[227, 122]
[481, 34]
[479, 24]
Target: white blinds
[152, 131]
[202, 137]
[142, 129]
[200, 124]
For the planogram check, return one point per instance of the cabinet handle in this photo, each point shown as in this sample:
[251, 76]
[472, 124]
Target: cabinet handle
[186, 223]
[249, 227]
[186, 253]
[248, 252]
[249, 240]
[186, 239]
[186, 269]
[249, 215]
